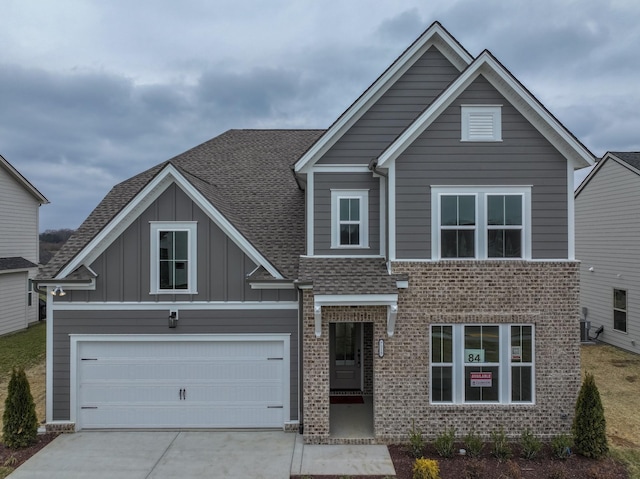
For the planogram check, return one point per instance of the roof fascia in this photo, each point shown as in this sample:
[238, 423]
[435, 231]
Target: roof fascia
[608, 156]
[512, 90]
[436, 35]
[168, 175]
[23, 181]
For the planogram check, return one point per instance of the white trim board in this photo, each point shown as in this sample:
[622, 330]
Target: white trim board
[163, 305]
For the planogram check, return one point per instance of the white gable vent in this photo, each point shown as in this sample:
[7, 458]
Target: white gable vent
[481, 123]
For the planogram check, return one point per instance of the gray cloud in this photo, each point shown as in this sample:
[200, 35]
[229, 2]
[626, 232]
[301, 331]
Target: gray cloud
[95, 92]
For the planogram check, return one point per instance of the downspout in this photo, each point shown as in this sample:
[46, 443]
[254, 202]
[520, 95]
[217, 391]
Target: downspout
[373, 167]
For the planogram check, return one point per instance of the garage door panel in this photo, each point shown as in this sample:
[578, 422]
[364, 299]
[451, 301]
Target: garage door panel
[137, 384]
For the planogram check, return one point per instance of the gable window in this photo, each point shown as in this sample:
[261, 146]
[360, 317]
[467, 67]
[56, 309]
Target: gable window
[481, 122]
[349, 222]
[481, 223]
[620, 310]
[482, 364]
[173, 257]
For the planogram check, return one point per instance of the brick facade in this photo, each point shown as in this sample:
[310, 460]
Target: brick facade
[544, 294]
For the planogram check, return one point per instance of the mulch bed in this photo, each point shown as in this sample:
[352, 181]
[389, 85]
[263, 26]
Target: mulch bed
[546, 466]
[15, 457]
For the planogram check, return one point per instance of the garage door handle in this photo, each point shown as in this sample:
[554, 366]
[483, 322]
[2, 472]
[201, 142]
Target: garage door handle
[274, 407]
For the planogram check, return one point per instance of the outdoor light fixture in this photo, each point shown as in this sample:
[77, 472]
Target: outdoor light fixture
[381, 348]
[173, 318]
[58, 291]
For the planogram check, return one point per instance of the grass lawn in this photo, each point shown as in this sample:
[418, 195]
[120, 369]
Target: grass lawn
[617, 375]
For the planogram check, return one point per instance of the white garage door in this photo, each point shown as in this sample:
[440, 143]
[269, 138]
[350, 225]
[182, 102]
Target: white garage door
[163, 382]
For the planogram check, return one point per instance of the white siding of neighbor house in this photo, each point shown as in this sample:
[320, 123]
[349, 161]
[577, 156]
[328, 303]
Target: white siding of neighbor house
[607, 232]
[18, 220]
[13, 302]
[18, 238]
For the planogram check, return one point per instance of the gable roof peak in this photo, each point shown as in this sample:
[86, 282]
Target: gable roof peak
[436, 35]
[26, 184]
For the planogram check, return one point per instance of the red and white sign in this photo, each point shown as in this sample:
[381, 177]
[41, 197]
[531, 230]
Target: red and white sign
[481, 380]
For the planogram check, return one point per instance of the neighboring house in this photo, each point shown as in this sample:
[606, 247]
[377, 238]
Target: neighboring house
[19, 207]
[419, 252]
[607, 232]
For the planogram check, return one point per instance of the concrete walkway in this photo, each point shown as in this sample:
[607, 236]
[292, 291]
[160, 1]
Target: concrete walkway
[198, 454]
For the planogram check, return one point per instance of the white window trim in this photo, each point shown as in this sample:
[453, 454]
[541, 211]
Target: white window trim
[481, 228]
[504, 371]
[625, 311]
[466, 111]
[191, 227]
[336, 196]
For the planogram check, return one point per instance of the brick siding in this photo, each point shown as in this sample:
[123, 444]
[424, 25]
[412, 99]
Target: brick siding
[544, 294]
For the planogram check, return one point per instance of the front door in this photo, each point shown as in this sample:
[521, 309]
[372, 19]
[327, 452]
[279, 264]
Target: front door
[345, 356]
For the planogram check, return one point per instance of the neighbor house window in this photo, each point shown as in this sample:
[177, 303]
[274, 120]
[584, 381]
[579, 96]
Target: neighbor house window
[349, 222]
[481, 122]
[481, 223]
[620, 310]
[482, 364]
[173, 257]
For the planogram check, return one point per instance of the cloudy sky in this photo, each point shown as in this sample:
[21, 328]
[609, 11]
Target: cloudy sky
[93, 92]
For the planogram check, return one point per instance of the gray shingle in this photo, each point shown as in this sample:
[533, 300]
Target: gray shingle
[347, 275]
[246, 175]
[15, 262]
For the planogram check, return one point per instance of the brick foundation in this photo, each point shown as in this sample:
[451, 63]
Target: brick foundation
[544, 294]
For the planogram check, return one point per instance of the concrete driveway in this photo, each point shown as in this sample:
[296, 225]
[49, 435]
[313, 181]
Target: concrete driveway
[163, 454]
[198, 454]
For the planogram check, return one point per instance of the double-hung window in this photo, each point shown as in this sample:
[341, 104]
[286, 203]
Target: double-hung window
[620, 310]
[481, 222]
[482, 363]
[173, 257]
[349, 222]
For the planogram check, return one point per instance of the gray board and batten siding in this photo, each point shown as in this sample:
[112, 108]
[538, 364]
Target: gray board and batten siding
[124, 272]
[438, 157]
[398, 107]
[607, 232]
[323, 184]
[155, 322]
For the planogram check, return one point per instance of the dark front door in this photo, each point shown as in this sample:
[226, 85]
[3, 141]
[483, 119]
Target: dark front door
[345, 356]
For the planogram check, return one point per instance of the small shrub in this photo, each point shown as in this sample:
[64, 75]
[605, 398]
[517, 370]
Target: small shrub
[500, 447]
[513, 471]
[426, 469]
[558, 472]
[11, 461]
[473, 443]
[416, 441]
[589, 425]
[561, 446]
[530, 444]
[20, 421]
[474, 469]
[444, 443]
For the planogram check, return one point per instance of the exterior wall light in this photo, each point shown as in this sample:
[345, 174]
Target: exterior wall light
[173, 318]
[381, 348]
[58, 291]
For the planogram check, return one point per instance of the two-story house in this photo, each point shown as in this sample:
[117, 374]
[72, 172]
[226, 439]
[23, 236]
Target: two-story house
[607, 229]
[19, 249]
[414, 261]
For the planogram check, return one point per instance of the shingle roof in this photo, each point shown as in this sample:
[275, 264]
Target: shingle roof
[15, 262]
[246, 175]
[347, 275]
[630, 157]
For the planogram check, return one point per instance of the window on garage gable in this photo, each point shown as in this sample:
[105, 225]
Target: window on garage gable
[173, 257]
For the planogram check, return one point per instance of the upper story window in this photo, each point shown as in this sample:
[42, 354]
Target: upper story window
[349, 218]
[481, 122]
[173, 257]
[481, 223]
[620, 310]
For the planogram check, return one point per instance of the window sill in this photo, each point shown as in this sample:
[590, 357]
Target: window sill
[172, 291]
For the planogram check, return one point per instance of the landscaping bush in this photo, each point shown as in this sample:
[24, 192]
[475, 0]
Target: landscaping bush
[530, 444]
[589, 425]
[444, 443]
[426, 469]
[473, 443]
[416, 441]
[561, 446]
[500, 447]
[20, 420]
